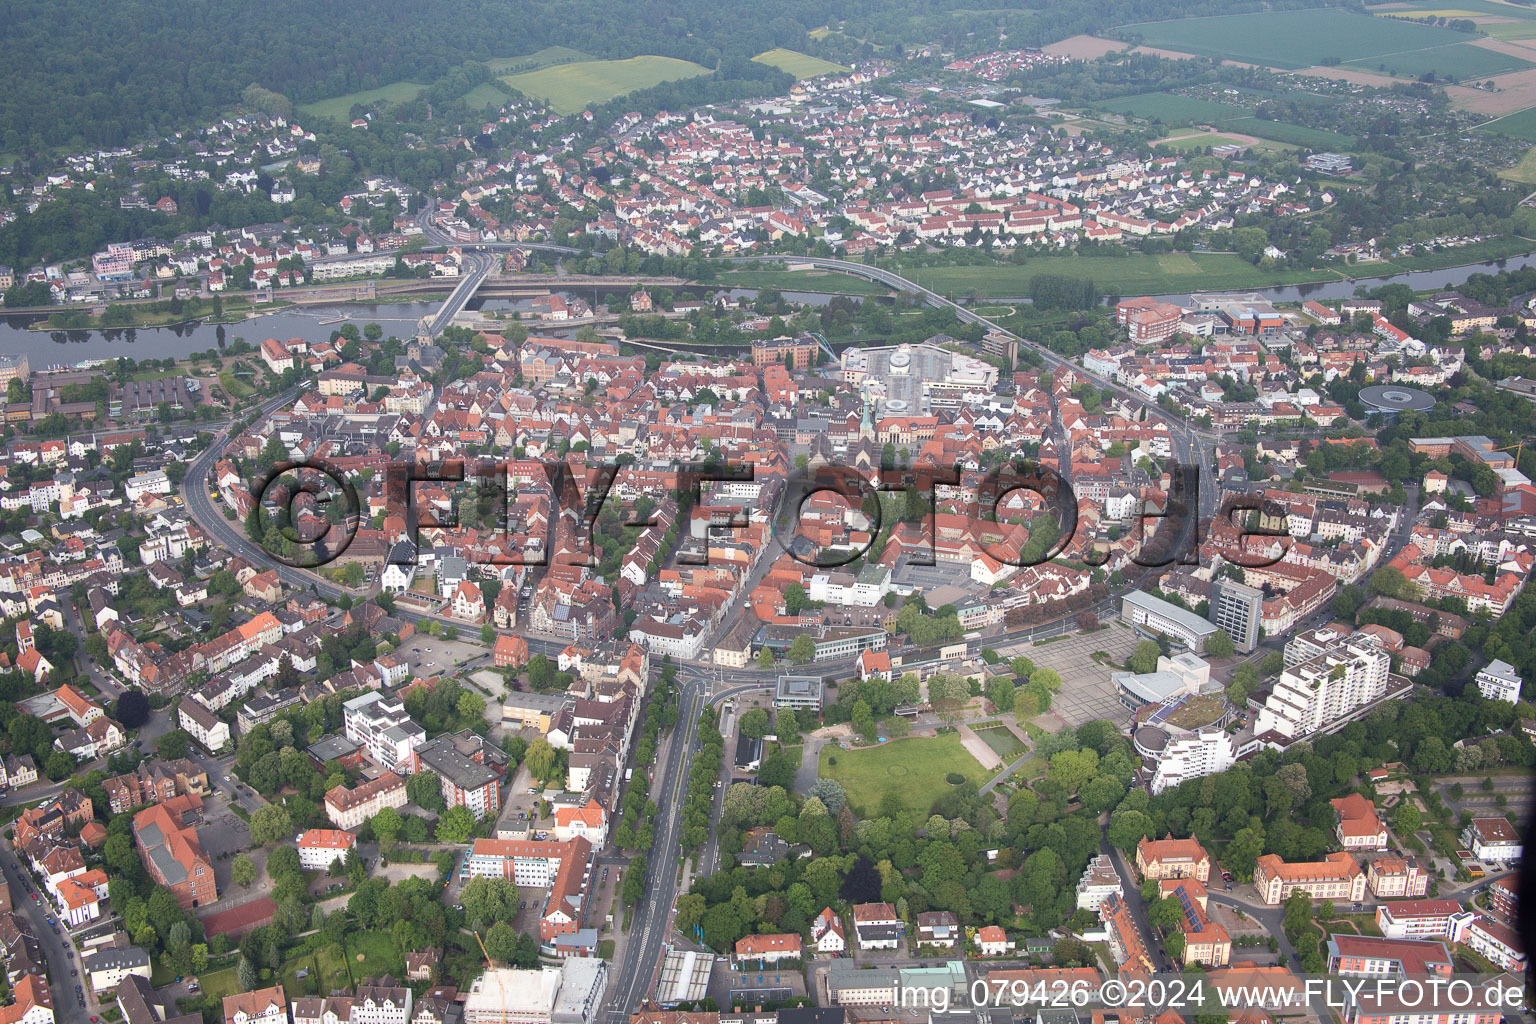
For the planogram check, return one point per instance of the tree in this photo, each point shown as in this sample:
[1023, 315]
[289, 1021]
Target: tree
[271, 824]
[425, 790]
[802, 649]
[501, 942]
[387, 824]
[754, 723]
[131, 709]
[831, 794]
[1218, 645]
[242, 871]
[456, 825]
[245, 974]
[540, 759]
[765, 658]
[1144, 658]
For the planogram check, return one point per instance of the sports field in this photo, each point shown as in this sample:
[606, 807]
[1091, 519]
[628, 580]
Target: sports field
[1199, 142]
[1300, 39]
[569, 88]
[913, 769]
[337, 108]
[801, 65]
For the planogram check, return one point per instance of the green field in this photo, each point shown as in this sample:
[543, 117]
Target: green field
[801, 65]
[913, 769]
[1520, 125]
[1171, 109]
[1001, 739]
[539, 59]
[1523, 27]
[1459, 61]
[1525, 171]
[485, 96]
[1299, 39]
[569, 88]
[1199, 142]
[801, 281]
[1123, 275]
[338, 108]
[1291, 134]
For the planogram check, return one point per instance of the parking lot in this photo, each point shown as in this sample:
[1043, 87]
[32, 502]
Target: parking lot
[434, 656]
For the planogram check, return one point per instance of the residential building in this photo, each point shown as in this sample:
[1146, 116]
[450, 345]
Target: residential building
[349, 808]
[1392, 877]
[467, 769]
[1367, 956]
[383, 727]
[262, 1006]
[938, 928]
[876, 926]
[1099, 880]
[768, 949]
[1205, 941]
[106, 968]
[1358, 827]
[1420, 919]
[827, 933]
[1494, 940]
[1497, 681]
[319, 848]
[1492, 839]
[209, 730]
[1313, 694]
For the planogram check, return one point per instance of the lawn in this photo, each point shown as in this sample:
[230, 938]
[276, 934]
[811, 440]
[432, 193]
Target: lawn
[1525, 171]
[485, 96]
[1497, 249]
[913, 769]
[218, 984]
[800, 281]
[1170, 109]
[1293, 39]
[539, 59]
[1001, 739]
[801, 65]
[569, 88]
[339, 108]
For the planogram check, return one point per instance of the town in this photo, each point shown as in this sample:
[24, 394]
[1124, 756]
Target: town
[696, 610]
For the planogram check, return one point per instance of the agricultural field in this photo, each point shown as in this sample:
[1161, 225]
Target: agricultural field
[1291, 134]
[1499, 20]
[801, 65]
[569, 88]
[913, 769]
[1519, 125]
[1171, 109]
[1458, 61]
[1300, 39]
[338, 108]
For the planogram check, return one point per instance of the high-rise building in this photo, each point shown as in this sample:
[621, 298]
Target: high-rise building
[1237, 608]
[1320, 691]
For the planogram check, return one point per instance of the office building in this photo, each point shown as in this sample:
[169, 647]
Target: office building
[1237, 609]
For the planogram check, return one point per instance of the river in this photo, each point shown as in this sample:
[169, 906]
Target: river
[45, 348]
[1418, 280]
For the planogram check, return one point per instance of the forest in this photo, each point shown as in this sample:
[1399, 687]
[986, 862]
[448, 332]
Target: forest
[85, 73]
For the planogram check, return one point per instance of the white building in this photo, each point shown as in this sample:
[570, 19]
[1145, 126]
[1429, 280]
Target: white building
[321, 847]
[1497, 681]
[153, 482]
[108, 967]
[1492, 839]
[208, 729]
[382, 726]
[568, 994]
[1320, 691]
[1099, 880]
[1154, 615]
